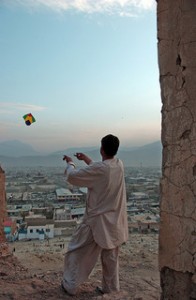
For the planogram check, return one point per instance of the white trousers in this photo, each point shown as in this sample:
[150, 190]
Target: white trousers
[81, 258]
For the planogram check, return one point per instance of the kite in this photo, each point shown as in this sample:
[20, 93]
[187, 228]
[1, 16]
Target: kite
[29, 119]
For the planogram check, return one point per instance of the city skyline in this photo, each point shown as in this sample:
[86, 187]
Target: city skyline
[83, 69]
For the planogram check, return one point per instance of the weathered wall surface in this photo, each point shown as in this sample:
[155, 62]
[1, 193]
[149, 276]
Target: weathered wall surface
[2, 203]
[3, 244]
[176, 22]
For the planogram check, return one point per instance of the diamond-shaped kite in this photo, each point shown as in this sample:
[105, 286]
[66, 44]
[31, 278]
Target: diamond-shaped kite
[29, 119]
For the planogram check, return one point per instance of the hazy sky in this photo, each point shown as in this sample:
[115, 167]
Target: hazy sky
[83, 68]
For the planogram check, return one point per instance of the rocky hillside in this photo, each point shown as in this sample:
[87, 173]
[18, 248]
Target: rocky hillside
[34, 272]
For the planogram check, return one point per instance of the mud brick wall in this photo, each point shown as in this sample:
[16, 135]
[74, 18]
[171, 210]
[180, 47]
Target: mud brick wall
[4, 251]
[176, 24]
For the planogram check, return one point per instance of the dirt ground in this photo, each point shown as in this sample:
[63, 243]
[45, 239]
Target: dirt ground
[34, 271]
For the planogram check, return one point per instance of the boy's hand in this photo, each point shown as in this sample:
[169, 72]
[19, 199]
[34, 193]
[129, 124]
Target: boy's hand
[67, 158]
[80, 156]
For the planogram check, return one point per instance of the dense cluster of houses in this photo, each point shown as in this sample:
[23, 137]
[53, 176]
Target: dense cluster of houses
[41, 213]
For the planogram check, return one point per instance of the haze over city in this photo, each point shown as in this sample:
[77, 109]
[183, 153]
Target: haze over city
[82, 68]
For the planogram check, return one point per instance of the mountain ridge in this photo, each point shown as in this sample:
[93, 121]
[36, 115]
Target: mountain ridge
[16, 148]
[149, 155]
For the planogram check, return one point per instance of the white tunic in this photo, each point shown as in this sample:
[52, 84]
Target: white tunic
[106, 212]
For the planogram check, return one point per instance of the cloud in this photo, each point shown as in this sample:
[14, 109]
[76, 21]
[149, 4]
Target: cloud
[120, 7]
[11, 107]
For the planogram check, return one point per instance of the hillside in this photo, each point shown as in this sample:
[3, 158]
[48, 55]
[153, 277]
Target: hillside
[35, 270]
[16, 148]
[147, 156]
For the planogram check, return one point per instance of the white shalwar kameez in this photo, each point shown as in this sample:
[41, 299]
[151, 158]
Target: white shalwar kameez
[104, 227]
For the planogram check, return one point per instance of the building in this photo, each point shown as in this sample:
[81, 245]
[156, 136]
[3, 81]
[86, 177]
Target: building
[10, 229]
[40, 231]
[62, 213]
[64, 227]
[77, 212]
[63, 194]
[37, 227]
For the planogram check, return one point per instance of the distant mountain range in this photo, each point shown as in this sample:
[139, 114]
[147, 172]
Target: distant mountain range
[18, 154]
[16, 148]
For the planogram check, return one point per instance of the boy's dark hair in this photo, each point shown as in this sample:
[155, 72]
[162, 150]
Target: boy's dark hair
[110, 144]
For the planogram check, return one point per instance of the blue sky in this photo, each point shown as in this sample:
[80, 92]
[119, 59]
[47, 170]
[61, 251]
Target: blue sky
[83, 68]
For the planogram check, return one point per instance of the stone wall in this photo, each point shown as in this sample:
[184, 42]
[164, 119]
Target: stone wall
[3, 244]
[176, 21]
